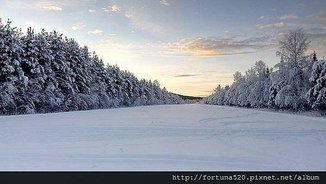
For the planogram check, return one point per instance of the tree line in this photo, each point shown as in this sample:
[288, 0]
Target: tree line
[46, 72]
[297, 82]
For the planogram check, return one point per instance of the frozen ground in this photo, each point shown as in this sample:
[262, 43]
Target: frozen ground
[170, 137]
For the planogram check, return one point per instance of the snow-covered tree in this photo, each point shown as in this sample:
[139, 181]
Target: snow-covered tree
[293, 46]
[46, 72]
[292, 80]
[259, 85]
[296, 80]
[317, 93]
[12, 78]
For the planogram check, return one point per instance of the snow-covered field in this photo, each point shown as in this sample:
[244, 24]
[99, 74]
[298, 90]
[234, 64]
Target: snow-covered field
[167, 137]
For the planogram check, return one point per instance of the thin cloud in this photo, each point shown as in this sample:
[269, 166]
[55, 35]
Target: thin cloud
[265, 18]
[185, 75]
[91, 11]
[127, 49]
[77, 26]
[319, 17]
[213, 47]
[51, 8]
[317, 36]
[288, 17]
[143, 22]
[278, 24]
[267, 26]
[47, 5]
[113, 8]
[164, 3]
[95, 32]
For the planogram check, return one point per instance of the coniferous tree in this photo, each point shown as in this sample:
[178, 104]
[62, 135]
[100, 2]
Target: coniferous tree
[45, 72]
[317, 93]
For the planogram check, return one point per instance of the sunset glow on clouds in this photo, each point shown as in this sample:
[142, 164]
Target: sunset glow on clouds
[190, 46]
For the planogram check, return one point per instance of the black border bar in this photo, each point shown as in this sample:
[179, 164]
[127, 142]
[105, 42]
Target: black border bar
[165, 177]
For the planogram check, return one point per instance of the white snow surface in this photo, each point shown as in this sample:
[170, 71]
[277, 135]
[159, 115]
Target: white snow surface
[163, 137]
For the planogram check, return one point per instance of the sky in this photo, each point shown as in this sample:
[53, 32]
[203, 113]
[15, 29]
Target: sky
[189, 46]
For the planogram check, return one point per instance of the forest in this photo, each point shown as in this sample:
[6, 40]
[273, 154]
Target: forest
[297, 82]
[47, 72]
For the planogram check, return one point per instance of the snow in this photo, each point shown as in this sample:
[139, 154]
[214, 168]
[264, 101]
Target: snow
[163, 137]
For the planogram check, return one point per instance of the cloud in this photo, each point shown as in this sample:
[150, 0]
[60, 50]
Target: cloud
[77, 26]
[47, 5]
[95, 32]
[113, 8]
[52, 8]
[319, 17]
[164, 3]
[91, 11]
[317, 37]
[112, 34]
[119, 49]
[212, 47]
[185, 75]
[266, 26]
[265, 17]
[143, 22]
[287, 17]
[278, 24]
